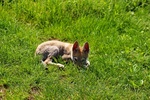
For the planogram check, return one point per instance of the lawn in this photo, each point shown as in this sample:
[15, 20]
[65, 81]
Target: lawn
[118, 32]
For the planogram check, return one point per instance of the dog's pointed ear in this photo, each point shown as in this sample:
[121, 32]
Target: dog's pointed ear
[86, 47]
[75, 46]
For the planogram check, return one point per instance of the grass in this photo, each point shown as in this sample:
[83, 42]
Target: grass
[118, 34]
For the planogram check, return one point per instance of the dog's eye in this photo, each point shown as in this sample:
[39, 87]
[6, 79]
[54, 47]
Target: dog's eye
[75, 59]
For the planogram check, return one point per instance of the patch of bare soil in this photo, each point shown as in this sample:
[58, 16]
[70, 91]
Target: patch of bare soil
[3, 91]
[34, 91]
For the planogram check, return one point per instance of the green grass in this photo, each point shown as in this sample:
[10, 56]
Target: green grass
[118, 32]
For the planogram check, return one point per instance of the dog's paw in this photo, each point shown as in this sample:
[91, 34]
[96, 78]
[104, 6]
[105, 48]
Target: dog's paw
[60, 66]
[87, 63]
[44, 64]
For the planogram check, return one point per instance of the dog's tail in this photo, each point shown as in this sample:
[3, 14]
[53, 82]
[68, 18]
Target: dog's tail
[36, 52]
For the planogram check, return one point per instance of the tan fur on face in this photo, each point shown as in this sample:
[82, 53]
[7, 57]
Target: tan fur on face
[80, 53]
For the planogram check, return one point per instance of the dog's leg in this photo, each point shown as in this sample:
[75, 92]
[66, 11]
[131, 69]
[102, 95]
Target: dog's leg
[66, 57]
[49, 61]
[51, 52]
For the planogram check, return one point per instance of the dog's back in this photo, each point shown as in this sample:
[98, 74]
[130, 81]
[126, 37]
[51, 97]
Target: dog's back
[49, 46]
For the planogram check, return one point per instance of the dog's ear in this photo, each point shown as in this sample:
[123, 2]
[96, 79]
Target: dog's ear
[86, 47]
[75, 46]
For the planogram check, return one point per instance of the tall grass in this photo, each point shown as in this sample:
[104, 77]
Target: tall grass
[118, 34]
